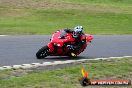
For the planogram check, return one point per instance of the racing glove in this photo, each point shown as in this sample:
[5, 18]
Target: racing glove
[71, 47]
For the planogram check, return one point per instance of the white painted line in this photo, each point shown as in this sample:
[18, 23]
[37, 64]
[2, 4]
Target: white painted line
[100, 58]
[58, 62]
[25, 66]
[47, 63]
[115, 57]
[127, 56]
[82, 60]
[7, 67]
[70, 61]
[3, 35]
[35, 64]
[16, 66]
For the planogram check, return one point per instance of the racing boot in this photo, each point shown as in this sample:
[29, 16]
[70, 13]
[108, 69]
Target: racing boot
[73, 55]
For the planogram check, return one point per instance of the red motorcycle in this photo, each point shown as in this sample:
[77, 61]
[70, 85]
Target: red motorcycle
[60, 46]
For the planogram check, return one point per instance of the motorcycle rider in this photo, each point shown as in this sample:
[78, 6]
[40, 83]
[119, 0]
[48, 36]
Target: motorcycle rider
[77, 33]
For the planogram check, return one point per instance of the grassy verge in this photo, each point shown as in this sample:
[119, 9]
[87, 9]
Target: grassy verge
[66, 77]
[46, 16]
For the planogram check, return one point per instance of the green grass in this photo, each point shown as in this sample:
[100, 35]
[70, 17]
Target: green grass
[67, 77]
[99, 1]
[97, 16]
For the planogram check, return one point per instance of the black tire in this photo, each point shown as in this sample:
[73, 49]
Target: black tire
[42, 53]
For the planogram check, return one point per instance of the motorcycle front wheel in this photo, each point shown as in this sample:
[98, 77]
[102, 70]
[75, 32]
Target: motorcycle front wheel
[42, 53]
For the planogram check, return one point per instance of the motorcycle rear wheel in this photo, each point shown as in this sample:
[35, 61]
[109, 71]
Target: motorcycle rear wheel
[42, 53]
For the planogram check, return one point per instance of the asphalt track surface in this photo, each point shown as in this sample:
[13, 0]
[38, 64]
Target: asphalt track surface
[15, 50]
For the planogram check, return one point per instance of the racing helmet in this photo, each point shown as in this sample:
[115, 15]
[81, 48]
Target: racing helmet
[77, 31]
